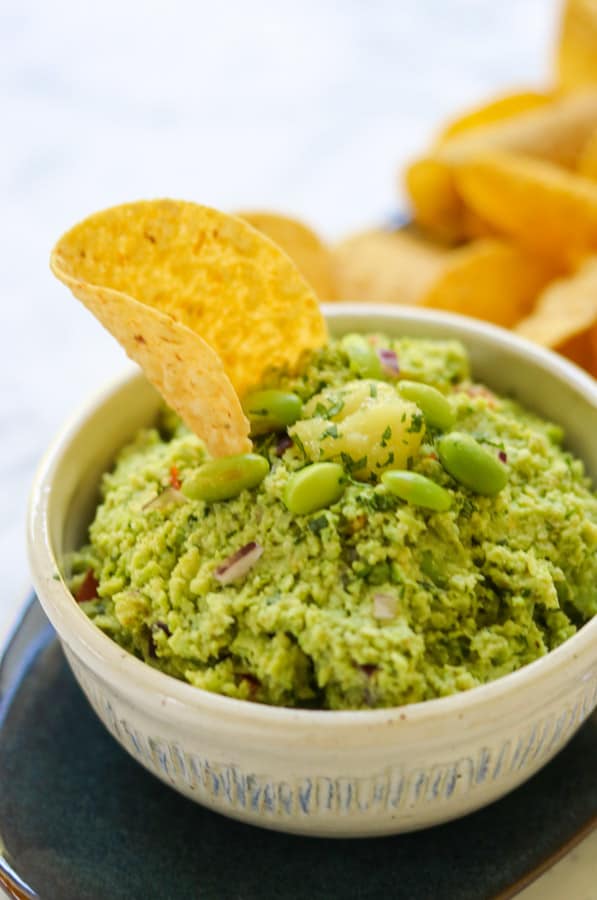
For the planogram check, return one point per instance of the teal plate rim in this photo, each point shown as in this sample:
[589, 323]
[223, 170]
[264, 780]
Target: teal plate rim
[81, 820]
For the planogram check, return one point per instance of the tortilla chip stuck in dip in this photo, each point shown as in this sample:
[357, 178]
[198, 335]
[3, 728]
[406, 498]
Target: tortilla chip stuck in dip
[202, 301]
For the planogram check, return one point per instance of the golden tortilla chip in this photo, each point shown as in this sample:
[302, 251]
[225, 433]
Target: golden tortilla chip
[542, 206]
[474, 226]
[311, 255]
[209, 271]
[587, 162]
[565, 310]
[435, 202]
[593, 342]
[555, 131]
[489, 279]
[577, 50]
[495, 110]
[387, 266]
[579, 350]
[185, 370]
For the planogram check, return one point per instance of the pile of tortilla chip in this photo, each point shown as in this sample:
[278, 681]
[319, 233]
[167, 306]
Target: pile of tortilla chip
[504, 211]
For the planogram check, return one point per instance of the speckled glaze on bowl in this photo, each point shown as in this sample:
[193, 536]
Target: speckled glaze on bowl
[319, 772]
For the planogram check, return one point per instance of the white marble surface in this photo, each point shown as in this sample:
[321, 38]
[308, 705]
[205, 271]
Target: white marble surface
[307, 107]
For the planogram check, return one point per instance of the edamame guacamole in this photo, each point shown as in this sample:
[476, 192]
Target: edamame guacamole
[397, 533]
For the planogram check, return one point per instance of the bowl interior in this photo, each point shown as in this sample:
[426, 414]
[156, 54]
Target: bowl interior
[538, 379]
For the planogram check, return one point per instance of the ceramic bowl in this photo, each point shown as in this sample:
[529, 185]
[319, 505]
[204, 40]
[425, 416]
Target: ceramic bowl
[321, 772]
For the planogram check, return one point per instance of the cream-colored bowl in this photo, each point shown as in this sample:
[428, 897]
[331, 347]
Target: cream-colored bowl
[320, 772]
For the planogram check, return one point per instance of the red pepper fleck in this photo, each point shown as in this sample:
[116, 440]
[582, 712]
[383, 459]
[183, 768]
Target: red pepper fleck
[503, 456]
[88, 589]
[175, 478]
[432, 456]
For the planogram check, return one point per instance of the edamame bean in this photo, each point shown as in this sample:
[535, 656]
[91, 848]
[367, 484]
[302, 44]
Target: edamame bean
[364, 361]
[314, 487]
[272, 410]
[432, 403]
[222, 479]
[417, 489]
[471, 464]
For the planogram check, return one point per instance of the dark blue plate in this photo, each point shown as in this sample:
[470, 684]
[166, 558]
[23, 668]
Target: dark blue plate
[80, 820]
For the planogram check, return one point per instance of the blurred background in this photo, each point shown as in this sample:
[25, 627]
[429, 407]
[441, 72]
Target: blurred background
[310, 108]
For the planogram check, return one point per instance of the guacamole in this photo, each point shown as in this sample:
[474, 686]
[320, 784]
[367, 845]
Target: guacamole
[363, 560]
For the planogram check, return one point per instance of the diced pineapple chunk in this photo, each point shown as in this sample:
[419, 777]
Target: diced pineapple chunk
[370, 431]
[338, 403]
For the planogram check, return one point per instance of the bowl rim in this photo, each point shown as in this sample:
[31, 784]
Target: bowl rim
[134, 677]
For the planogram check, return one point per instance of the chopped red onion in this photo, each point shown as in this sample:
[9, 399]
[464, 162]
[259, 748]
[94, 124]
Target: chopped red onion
[368, 670]
[284, 444]
[241, 562]
[384, 606]
[389, 361]
[168, 497]
[503, 456]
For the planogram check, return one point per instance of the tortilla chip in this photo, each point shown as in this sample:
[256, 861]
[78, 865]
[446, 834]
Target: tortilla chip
[587, 163]
[496, 110]
[488, 278]
[542, 206]
[579, 350]
[434, 199]
[593, 342]
[577, 50]
[387, 266]
[555, 131]
[185, 370]
[209, 271]
[476, 227]
[311, 255]
[565, 310]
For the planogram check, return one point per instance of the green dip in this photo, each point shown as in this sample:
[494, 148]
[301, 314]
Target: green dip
[370, 601]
